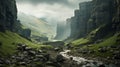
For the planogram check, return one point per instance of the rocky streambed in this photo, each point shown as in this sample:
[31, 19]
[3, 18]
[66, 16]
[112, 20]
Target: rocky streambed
[29, 57]
[82, 62]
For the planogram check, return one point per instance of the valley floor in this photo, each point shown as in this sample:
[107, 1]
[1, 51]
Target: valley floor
[21, 52]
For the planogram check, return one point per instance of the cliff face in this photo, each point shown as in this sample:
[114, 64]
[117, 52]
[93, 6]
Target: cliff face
[116, 18]
[63, 30]
[96, 14]
[102, 13]
[8, 18]
[79, 21]
[8, 14]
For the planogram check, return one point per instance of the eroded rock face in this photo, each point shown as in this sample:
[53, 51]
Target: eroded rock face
[79, 21]
[116, 18]
[8, 14]
[94, 14]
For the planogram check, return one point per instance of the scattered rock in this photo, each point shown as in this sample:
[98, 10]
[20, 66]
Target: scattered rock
[60, 58]
[101, 65]
[102, 49]
[56, 49]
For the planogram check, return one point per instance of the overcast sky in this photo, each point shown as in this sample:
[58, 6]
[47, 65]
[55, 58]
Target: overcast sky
[52, 10]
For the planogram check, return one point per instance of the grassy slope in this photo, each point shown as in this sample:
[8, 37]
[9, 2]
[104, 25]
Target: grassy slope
[38, 26]
[80, 41]
[9, 38]
[84, 40]
[106, 42]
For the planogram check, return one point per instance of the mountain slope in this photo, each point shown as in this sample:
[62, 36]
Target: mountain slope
[38, 27]
[9, 41]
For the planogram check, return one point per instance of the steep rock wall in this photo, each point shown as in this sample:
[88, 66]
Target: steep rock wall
[103, 14]
[8, 14]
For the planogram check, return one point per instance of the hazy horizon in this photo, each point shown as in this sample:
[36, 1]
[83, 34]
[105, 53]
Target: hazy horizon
[51, 10]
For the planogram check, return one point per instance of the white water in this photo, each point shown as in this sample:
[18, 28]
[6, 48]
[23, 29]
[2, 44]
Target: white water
[77, 59]
[81, 60]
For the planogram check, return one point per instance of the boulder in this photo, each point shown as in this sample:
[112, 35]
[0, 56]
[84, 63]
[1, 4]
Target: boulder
[28, 48]
[22, 63]
[40, 51]
[101, 65]
[102, 49]
[56, 49]
[31, 53]
[60, 58]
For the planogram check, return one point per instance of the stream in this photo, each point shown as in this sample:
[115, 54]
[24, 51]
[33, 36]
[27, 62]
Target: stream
[85, 62]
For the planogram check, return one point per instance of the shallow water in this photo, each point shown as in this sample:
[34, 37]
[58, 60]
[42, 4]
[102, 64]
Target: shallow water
[84, 62]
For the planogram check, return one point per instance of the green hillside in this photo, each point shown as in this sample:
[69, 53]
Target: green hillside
[8, 41]
[37, 26]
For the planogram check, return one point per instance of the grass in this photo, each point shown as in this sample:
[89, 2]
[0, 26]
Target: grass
[107, 42]
[80, 41]
[9, 41]
[85, 40]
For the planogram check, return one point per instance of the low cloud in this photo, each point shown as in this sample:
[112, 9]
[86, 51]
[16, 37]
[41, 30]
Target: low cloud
[52, 10]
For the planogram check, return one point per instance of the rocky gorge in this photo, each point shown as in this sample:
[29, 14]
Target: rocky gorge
[92, 15]
[92, 38]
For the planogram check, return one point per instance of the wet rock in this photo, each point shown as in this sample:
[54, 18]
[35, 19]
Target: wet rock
[88, 65]
[95, 63]
[101, 65]
[60, 58]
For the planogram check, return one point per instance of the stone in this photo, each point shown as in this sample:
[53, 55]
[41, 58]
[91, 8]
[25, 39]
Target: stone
[91, 51]
[60, 58]
[22, 63]
[88, 65]
[8, 14]
[31, 53]
[102, 49]
[28, 48]
[49, 63]
[102, 65]
[1, 61]
[84, 52]
[7, 62]
[56, 49]
[40, 51]
[117, 57]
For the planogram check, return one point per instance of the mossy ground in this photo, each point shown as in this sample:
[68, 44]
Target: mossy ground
[107, 42]
[9, 40]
